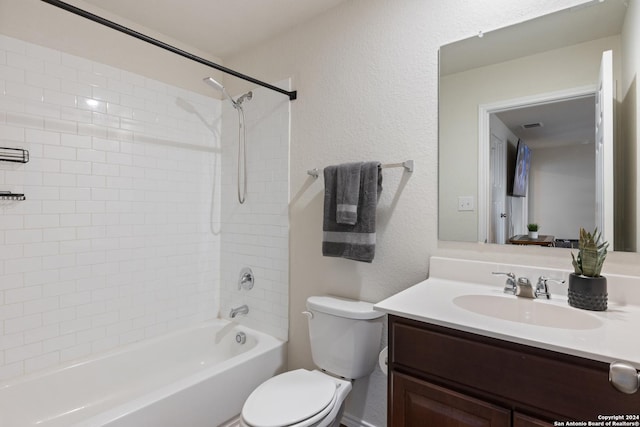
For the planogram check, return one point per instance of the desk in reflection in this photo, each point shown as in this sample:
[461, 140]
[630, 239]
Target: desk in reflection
[523, 239]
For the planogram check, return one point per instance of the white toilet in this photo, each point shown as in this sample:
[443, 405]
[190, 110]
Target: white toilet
[345, 339]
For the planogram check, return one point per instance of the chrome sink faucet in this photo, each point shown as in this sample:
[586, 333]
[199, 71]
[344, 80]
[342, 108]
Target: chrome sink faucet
[243, 309]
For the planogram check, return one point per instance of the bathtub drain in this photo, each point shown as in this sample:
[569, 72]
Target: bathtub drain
[241, 338]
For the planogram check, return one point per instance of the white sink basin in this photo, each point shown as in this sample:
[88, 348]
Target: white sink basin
[524, 310]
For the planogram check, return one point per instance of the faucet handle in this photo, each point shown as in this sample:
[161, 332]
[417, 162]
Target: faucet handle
[510, 284]
[498, 273]
[549, 279]
[542, 288]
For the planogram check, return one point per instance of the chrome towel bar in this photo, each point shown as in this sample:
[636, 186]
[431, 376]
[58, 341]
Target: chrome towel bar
[407, 165]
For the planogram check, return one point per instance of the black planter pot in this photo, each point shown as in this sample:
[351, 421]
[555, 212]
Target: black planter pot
[588, 293]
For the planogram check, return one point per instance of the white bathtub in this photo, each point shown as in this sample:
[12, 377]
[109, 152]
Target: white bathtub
[197, 377]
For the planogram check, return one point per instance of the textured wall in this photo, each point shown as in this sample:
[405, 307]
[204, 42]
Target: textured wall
[366, 75]
[113, 244]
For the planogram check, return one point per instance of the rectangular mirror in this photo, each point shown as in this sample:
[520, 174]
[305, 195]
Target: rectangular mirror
[560, 91]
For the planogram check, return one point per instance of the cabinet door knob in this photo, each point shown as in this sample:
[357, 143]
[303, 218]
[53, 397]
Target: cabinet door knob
[624, 377]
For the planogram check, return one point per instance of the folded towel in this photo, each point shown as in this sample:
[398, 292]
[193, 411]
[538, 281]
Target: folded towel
[358, 241]
[347, 192]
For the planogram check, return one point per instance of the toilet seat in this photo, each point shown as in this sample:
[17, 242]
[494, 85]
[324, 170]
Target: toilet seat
[297, 398]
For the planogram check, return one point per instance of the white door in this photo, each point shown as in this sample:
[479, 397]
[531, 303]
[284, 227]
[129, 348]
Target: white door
[498, 215]
[604, 149]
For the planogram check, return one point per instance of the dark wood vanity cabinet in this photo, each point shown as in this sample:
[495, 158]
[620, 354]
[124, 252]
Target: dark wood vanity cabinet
[420, 403]
[440, 377]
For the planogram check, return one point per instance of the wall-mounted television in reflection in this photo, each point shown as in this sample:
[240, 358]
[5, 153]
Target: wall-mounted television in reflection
[521, 173]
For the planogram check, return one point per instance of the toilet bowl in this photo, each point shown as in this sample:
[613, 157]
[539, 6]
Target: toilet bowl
[299, 398]
[345, 339]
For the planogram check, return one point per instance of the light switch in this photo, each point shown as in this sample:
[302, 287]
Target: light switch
[465, 203]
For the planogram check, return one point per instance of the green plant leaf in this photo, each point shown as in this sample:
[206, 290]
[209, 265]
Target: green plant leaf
[591, 254]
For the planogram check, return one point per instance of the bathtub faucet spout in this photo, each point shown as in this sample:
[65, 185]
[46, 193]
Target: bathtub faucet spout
[243, 309]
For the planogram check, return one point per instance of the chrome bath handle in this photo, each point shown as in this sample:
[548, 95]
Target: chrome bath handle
[246, 279]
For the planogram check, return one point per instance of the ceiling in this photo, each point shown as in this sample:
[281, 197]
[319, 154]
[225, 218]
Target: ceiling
[566, 122]
[219, 27]
[592, 20]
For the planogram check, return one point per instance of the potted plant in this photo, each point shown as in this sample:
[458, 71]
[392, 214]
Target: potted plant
[587, 288]
[533, 230]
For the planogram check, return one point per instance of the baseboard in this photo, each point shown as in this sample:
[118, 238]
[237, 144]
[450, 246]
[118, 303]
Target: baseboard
[234, 422]
[349, 420]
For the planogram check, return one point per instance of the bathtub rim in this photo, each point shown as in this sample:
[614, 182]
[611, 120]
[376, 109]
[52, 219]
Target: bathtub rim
[270, 339]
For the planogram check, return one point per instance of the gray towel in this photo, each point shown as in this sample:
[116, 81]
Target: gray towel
[358, 241]
[347, 192]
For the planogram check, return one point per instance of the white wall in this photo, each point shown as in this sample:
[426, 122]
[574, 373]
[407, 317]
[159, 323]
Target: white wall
[114, 243]
[562, 189]
[256, 234]
[462, 93]
[366, 75]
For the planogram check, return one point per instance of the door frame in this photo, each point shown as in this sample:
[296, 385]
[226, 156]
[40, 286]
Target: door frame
[605, 153]
[484, 140]
[497, 231]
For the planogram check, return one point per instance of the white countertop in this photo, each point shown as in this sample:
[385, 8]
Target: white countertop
[612, 335]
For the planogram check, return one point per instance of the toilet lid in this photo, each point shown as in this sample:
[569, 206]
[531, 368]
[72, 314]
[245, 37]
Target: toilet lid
[288, 398]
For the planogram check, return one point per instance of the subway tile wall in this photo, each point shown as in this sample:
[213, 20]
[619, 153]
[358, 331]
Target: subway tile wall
[119, 237]
[256, 234]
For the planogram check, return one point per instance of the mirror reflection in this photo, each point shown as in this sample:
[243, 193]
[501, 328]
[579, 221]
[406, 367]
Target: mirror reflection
[537, 125]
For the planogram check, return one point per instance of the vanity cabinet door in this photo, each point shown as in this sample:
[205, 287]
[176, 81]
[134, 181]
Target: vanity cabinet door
[521, 420]
[417, 403]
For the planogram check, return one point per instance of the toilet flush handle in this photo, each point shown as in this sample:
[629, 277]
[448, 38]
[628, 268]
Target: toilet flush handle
[308, 314]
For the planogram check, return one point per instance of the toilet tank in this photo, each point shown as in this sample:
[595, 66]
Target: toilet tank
[345, 335]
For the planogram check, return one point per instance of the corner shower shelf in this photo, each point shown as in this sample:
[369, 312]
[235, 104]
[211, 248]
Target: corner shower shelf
[16, 155]
[8, 195]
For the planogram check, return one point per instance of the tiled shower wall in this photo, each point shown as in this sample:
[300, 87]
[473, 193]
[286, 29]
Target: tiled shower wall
[256, 234]
[118, 239]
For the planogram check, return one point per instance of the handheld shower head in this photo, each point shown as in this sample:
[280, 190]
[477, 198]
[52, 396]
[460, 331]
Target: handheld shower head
[246, 97]
[242, 134]
[214, 84]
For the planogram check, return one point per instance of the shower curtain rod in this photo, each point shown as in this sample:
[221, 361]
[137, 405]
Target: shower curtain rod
[100, 20]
